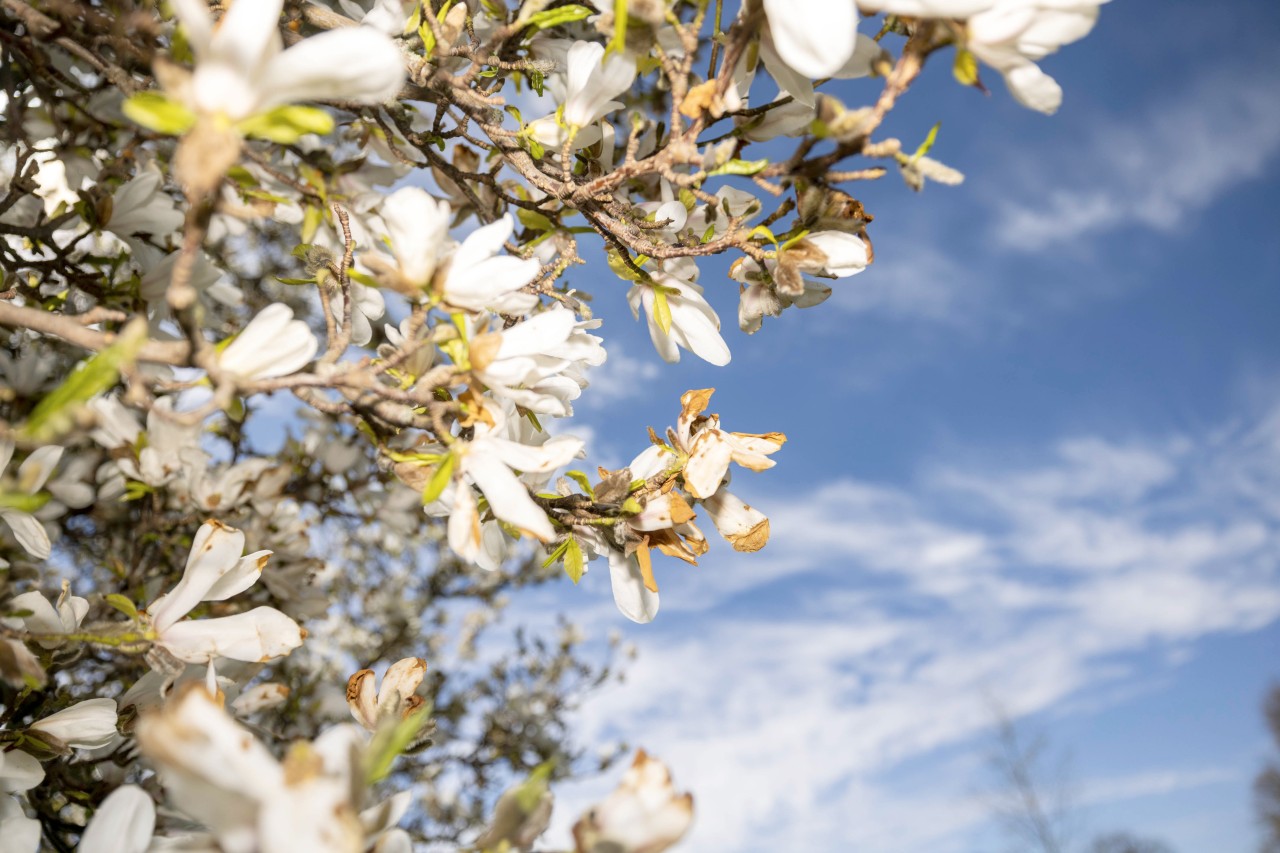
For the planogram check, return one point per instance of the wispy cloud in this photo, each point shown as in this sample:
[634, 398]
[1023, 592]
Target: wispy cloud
[894, 614]
[1156, 169]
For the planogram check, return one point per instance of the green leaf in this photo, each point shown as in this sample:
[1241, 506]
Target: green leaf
[121, 603]
[582, 480]
[557, 554]
[743, 168]
[439, 479]
[533, 220]
[574, 564]
[927, 144]
[156, 111]
[965, 67]
[296, 282]
[549, 18]
[389, 741]
[57, 412]
[762, 231]
[287, 124]
[662, 311]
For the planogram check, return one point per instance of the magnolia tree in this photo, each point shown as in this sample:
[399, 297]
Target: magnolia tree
[349, 235]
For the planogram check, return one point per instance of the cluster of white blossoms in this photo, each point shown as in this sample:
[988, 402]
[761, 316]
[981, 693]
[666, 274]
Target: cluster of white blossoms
[292, 330]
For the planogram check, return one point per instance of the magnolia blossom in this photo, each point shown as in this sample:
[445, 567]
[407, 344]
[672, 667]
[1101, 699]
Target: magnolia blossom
[643, 814]
[217, 772]
[538, 363]
[811, 39]
[489, 462]
[273, 344]
[1010, 36]
[86, 725]
[241, 69]
[475, 277]
[709, 449]
[395, 699]
[783, 280]
[21, 497]
[590, 83]
[141, 206]
[693, 324]
[63, 617]
[215, 571]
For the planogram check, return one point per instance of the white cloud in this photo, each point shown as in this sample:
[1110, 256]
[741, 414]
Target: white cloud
[1156, 169]
[620, 377]
[786, 690]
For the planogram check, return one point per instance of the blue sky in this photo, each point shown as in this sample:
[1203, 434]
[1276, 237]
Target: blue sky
[1034, 458]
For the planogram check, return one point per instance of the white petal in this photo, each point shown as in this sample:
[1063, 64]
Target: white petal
[36, 468]
[30, 533]
[87, 725]
[508, 497]
[247, 35]
[1032, 88]
[19, 771]
[256, 636]
[708, 462]
[123, 823]
[215, 551]
[464, 524]
[244, 575]
[356, 64]
[543, 459]
[20, 834]
[637, 602]
[815, 37]
[418, 226]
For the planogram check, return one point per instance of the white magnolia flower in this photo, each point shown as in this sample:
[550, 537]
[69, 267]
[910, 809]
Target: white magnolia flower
[241, 70]
[141, 206]
[418, 228]
[123, 823]
[811, 39]
[489, 462]
[785, 280]
[1013, 35]
[538, 363]
[693, 324]
[217, 772]
[643, 814]
[480, 278]
[86, 725]
[590, 83]
[1010, 36]
[20, 498]
[273, 344]
[215, 571]
[64, 617]
[475, 277]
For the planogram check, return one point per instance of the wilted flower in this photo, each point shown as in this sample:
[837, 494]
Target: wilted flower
[395, 699]
[643, 814]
